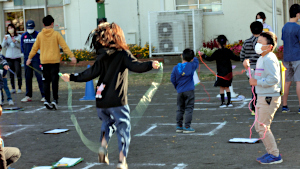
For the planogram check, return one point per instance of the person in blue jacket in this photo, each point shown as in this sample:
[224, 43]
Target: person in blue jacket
[27, 40]
[182, 79]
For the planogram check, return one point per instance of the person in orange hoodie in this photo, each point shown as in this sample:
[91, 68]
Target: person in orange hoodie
[48, 42]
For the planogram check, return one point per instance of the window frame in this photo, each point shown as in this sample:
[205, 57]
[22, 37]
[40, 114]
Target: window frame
[198, 7]
[45, 7]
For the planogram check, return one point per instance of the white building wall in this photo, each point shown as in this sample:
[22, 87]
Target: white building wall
[237, 17]
[234, 22]
[80, 18]
[80, 21]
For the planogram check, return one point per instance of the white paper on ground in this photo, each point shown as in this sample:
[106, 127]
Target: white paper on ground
[243, 140]
[56, 131]
[238, 99]
[42, 167]
[196, 79]
[69, 161]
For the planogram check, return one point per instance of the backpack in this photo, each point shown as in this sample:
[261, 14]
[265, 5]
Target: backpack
[282, 74]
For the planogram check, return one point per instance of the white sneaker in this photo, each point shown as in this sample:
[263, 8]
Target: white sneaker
[10, 102]
[43, 99]
[26, 99]
[230, 105]
[13, 91]
[223, 105]
[19, 91]
[122, 165]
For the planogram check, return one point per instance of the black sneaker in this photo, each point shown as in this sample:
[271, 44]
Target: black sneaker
[103, 155]
[54, 104]
[48, 106]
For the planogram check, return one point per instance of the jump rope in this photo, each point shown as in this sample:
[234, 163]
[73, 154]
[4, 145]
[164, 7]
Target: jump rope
[252, 89]
[138, 112]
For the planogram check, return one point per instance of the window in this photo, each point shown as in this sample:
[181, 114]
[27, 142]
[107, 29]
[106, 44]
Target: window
[59, 21]
[206, 5]
[16, 18]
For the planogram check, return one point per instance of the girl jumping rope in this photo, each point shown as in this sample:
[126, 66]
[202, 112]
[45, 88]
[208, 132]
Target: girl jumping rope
[224, 68]
[112, 65]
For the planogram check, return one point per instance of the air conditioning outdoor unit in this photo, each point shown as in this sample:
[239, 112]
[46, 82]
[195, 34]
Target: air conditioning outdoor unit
[170, 32]
[171, 36]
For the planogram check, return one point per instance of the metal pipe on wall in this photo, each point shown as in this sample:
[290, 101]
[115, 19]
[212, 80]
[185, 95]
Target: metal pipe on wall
[274, 13]
[2, 26]
[162, 5]
[139, 22]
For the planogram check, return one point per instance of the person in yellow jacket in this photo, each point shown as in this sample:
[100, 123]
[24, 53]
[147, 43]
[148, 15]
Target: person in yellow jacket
[48, 42]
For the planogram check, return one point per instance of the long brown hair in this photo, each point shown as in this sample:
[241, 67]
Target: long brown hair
[108, 35]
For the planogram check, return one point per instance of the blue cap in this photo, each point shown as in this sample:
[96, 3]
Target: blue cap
[30, 24]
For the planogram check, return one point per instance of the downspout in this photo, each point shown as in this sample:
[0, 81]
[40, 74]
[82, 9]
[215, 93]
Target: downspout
[162, 5]
[2, 26]
[139, 21]
[274, 12]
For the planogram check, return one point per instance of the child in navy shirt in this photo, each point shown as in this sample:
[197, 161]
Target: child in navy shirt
[3, 81]
[182, 79]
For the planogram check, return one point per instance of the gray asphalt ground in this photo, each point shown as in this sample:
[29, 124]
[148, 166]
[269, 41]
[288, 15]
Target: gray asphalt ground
[154, 143]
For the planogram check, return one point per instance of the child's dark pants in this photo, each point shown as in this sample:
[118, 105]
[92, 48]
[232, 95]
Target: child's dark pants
[185, 105]
[50, 74]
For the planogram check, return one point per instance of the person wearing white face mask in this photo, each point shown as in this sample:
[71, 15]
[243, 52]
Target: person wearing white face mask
[266, 78]
[27, 41]
[261, 17]
[13, 55]
[291, 55]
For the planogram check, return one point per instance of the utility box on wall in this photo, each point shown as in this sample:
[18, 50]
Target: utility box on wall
[131, 38]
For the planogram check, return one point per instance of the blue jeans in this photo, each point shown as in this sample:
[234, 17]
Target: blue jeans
[116, 119]
[6, 89]
[29, 75]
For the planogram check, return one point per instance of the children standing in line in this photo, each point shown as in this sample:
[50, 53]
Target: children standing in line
[112, 64]
[3, 81]
[48, 41]
[266, 78]
[248, 52]
[182, 79]
[12, 44]
[224, 68]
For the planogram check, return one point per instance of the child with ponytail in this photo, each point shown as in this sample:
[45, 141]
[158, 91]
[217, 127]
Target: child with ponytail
[224, 68]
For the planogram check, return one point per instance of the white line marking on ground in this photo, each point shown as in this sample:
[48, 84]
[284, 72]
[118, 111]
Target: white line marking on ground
[133, 117]
[279, 121]
[33, 111]
[86, 107]
[229, 114]
[148, 130]
[203, 103]
[112, 164]
[206, 109]
[218, 128]
[211, 133]
[174, 124]
[181, 166]
[242, 105]
[10, 133]
[19, 125]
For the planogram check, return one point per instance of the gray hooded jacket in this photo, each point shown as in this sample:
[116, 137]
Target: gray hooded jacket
[13, 50]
